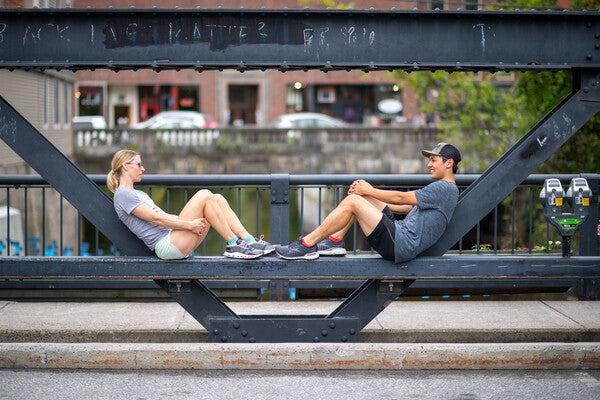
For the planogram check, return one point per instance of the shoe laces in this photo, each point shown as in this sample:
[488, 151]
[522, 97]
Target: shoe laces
[242, 243]
[261, 241]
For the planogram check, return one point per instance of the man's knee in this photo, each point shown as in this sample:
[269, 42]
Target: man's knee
[353, 202]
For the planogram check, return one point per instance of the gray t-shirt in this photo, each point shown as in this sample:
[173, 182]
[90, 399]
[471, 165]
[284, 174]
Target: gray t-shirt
[126, 200]
[426, 222]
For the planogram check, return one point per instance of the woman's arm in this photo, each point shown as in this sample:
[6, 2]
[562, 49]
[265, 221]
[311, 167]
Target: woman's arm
[170, 221]
[390, 197]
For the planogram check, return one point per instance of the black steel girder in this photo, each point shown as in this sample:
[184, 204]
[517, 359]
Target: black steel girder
[349, 267]
[287, 39]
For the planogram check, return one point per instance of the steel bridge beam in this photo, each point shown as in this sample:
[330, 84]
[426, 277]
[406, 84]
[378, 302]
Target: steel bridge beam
[288, 40]
[346, 268]
[205, 39]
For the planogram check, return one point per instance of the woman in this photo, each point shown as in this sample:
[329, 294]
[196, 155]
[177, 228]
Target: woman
[174, 237]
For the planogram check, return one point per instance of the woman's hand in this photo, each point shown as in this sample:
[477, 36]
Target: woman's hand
[360, 187]
[198, 225]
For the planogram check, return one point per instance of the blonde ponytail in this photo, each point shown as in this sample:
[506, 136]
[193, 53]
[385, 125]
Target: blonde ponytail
[121, 157]
[111, 181]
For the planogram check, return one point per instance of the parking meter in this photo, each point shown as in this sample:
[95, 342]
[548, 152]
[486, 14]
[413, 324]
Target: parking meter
[578, 198]
[552, 195]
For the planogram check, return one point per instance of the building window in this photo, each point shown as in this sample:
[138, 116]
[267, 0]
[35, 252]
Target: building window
[437, 4]
[67, 102]
[46, 100]
[471, 4]
[56, 102]
[156, 98]
[90, 100]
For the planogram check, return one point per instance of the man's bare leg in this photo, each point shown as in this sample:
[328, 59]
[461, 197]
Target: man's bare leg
[342, 232]
[343, 216]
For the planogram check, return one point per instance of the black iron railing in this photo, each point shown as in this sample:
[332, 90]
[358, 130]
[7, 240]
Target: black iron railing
[38, 221]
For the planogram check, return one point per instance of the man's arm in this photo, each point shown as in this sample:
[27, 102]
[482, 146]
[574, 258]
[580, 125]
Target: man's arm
[390, 197]
[399, 209]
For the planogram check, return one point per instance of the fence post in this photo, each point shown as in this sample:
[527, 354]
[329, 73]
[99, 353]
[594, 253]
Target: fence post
[588, 238]
[280, 228]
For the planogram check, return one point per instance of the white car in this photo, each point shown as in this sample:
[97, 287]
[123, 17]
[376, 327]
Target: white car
[177, 120]
[89, 122]
[307, 120]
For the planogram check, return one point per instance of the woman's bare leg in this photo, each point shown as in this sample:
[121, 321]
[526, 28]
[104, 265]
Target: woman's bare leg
[202, 205]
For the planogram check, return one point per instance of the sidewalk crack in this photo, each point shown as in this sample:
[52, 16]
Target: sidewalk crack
[563, 314]
[4, 306]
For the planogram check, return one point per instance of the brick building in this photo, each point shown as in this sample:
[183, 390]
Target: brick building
[252, 97]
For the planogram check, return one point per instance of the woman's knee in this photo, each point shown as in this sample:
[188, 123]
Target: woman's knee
[220, 199]
[203, 195]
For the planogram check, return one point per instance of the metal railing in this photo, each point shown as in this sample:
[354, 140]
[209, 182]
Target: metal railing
[46, 224]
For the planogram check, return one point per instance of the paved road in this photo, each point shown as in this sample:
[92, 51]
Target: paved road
[438, 385]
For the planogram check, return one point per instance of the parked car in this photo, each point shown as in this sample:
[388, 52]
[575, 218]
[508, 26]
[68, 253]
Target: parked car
[89, 122]
[307, 120]
[177, 120]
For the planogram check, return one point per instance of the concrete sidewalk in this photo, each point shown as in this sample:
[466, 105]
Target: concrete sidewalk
[407, 334]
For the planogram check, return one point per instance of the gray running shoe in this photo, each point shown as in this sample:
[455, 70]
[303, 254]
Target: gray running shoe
[261, 245]
[297, 251]
[328, 247]
[241, 250]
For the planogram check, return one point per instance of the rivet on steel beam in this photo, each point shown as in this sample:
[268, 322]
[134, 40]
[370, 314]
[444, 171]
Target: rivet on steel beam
[352, 331]
[589, 24]
[236, 325]
[588, 56]
[586, 90]
[316, 339]
[332, 325]
[597, 46]
[324, 332]
[215, 332]
[223, 338]
[252, 340]
[244, 333]
[344, 338]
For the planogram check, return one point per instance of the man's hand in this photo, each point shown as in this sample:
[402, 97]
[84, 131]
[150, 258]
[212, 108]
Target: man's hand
[360, 187]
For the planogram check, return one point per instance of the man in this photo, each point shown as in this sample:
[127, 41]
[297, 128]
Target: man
[429, 209]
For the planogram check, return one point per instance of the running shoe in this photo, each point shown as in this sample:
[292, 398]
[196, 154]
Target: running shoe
[297, 251]
[262, 245]
[328, 247]
[241, 250]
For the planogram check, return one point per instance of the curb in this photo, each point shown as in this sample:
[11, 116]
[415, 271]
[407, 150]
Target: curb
[301, 356]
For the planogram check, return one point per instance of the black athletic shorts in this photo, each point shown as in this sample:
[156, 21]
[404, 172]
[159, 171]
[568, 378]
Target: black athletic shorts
[382, 237]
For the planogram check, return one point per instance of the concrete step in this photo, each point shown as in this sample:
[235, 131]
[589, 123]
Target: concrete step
[401, 322]
[406, 335]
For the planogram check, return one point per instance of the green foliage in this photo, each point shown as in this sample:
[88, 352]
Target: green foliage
[327, 3]
[481, 118]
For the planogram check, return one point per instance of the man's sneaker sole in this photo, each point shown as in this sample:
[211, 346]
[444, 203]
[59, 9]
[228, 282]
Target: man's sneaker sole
[336, 251]
[309, 256]
[242, 255]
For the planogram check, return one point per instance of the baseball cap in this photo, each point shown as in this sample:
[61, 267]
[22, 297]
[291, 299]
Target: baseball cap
[445, 150]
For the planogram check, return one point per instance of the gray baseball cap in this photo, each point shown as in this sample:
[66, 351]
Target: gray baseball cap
[445, 150]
